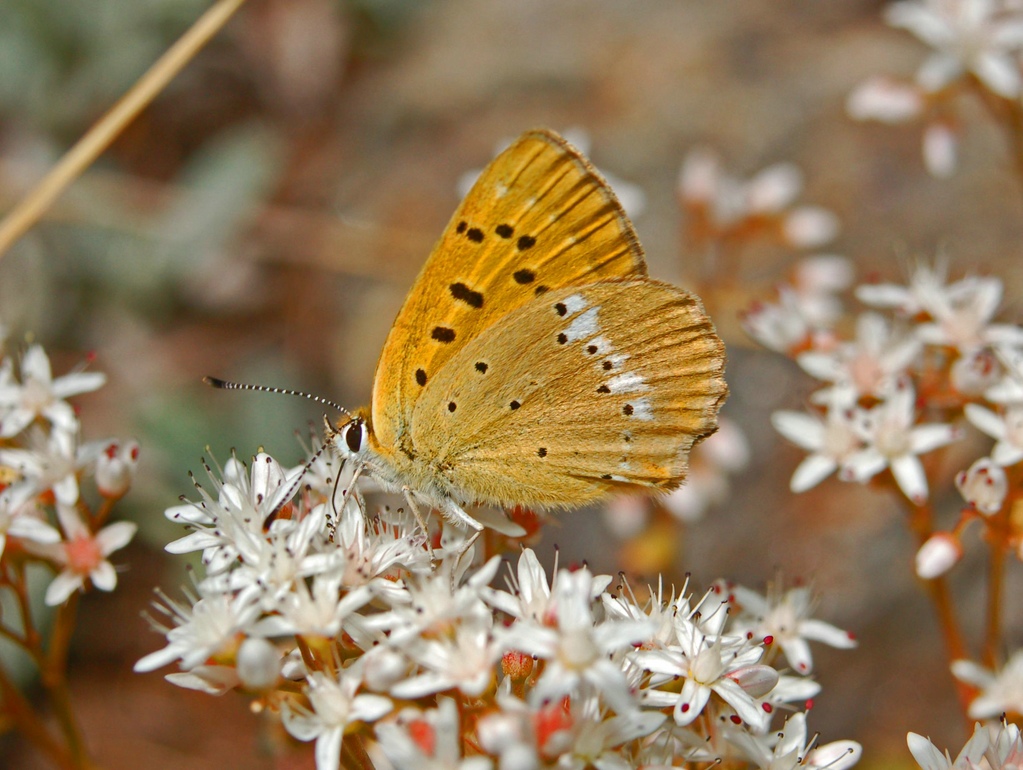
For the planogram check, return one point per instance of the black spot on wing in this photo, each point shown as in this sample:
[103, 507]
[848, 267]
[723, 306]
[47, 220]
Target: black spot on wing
[561, 308]
[452, 406]
[542, 451]
[481, 367]
[541, 289]
[505, 231]
[562, 338]
[464, 294]
[461, 227]
[443, 334]
[525, 242]
[420, 377]
[474, 234]
[603, 389]
[524, 276]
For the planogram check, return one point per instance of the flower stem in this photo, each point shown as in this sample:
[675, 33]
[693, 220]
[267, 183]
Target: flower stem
[103, 133]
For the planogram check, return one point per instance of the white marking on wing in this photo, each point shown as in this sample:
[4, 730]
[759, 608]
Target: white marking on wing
[629, 382]
[575, 303]
[642, 410]
[583, 326]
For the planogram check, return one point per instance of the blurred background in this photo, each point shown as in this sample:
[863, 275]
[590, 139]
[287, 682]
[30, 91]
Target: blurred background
[264, 218]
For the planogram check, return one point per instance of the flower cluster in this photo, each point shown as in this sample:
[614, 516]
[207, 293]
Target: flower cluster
[45, 514]
[342, 625]
[926, 360]
[976, 44]
[721, 208]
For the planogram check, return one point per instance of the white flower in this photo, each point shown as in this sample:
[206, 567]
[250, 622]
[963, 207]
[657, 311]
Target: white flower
[869, 365]
[706, 663]
[333, 705]
[1000, 691]
[790, 749]
[83, 555]
[1005, 746]
[427, 740]
[576, 648]
[52, 461]
[20, 517]
[886, 100]
[721, 203]
[928, 757]
[963, 319]
[40, 395]
[976, 36]
[785, 617]
[204, 628]
[236, 517]
[1006, 429]
[984, 485]
[831, 441]
[320, 611]
[461, 659]
[893, 441]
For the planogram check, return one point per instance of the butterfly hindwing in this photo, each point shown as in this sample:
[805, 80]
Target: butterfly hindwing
[538, 219]
[583, 392]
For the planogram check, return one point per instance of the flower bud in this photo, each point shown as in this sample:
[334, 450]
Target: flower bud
[984, 486]
[115, 467]
[259, 664]
[938, 555]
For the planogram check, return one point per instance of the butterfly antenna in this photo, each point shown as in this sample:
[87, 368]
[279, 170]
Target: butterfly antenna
[294, 487]
[216, 382]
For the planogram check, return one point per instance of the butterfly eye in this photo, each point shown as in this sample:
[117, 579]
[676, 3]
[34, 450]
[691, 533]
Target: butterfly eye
[355, 434]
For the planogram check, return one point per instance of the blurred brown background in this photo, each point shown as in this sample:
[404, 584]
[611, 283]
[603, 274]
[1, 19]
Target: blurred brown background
[263, 220]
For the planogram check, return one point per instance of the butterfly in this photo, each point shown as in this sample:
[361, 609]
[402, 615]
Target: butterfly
[533, 362]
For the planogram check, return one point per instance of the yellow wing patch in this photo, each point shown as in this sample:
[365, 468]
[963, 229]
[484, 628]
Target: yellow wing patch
[591, 390]
[538, 219]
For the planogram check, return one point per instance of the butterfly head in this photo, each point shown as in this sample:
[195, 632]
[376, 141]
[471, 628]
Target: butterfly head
[350, 437]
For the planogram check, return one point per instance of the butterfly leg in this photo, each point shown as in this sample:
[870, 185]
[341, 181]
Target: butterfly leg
[412, 504]
[454, 513]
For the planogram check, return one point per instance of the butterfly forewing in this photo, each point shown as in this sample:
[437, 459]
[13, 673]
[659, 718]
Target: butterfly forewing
[538, 219]
[584, 392]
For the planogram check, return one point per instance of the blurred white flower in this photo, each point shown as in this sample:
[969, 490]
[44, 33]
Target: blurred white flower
[82, 554]
[40, 395]
[1001, 691]
[1005, 428]
[785, 618]
[981, 37]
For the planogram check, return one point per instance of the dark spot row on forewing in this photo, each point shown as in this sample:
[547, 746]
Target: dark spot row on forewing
[474, 234]
[524, 276]
[443, 334]
[464, 294]
[505, 231]
[525, 242]
[420, 377]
